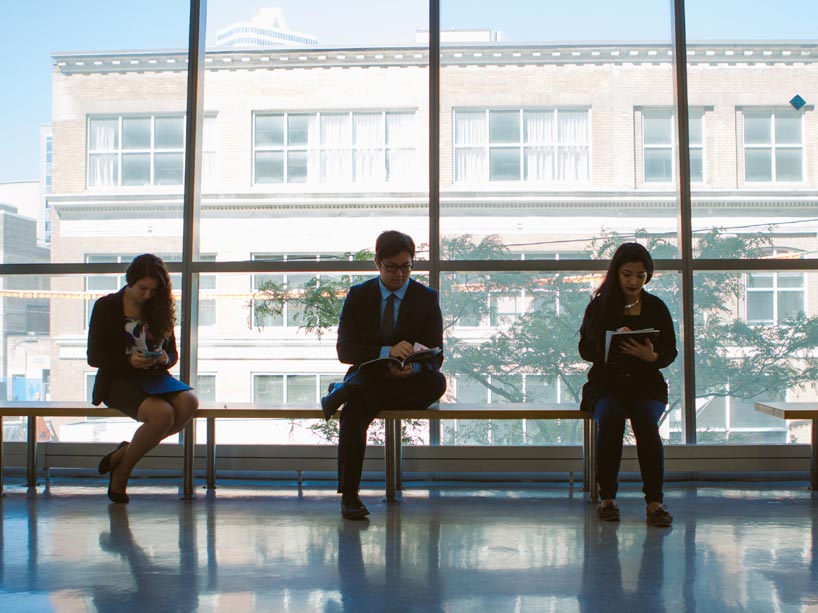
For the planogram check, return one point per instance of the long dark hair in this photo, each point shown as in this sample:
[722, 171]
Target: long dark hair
[609, 293]
[160, 311]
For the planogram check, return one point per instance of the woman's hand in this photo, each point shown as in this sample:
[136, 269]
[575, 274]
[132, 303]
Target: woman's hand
[139, 361]
[643, 351]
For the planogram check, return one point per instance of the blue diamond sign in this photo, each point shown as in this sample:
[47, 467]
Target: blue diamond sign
[797, 102]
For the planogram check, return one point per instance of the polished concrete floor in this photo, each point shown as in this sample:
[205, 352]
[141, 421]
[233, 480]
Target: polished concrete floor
[257, 546]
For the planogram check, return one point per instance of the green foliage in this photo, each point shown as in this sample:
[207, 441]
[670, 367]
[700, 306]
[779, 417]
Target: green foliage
[316, 304]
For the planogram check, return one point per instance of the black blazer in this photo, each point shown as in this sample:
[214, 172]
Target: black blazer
[106, 346]
[632, 378]
[419, 320]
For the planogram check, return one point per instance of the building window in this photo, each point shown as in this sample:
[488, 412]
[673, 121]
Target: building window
[206, 389]
[207, 286]
[142, 150]
[532, 145]
[659, 146]
[348, 147]
[268, 389]
[99, 285]
[774, 297]
[773, 150]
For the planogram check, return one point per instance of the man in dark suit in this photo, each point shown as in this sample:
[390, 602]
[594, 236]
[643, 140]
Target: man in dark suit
[382, 317]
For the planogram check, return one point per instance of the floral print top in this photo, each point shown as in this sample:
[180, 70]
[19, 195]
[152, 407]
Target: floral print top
[138, 337]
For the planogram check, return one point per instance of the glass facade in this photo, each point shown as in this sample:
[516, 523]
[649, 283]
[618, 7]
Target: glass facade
[545, 154]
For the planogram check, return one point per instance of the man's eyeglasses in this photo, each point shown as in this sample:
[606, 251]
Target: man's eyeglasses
[393, 268]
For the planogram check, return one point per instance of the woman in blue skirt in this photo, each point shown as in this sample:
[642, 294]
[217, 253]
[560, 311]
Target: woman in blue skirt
[131, 342]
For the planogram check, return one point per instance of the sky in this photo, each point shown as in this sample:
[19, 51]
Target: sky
[31, 30]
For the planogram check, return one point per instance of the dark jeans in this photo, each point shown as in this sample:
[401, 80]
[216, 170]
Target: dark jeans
[369, 394]
[610, 413]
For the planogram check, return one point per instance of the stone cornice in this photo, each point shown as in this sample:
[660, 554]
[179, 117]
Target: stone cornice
[575, 203]
[496, 54]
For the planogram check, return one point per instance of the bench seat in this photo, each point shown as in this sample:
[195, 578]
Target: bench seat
[392, 451]
[798, 410]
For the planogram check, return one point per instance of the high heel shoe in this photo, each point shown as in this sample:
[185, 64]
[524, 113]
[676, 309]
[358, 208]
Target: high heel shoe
[120, 497]
[105, 463]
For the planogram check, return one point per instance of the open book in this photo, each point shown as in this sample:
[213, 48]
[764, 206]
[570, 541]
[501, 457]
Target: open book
[613, 341]
[421, 353]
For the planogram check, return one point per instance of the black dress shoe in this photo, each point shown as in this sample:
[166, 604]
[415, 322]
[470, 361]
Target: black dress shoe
[105, 463]
[352, 507]
[120, 497]
[337, 394]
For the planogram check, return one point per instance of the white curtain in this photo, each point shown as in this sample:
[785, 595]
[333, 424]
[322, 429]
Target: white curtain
[103, 139]
[336, 140]
[368, 135]
[539, 139]
[572, 157]
[470, 162]
[313, 150]
[400, 130]
[209, 151]
[401, 139]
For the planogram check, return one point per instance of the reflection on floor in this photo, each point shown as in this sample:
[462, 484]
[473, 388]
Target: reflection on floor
[253, 546]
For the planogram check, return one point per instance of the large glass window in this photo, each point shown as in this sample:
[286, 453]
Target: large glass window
[556, 142]
[538, 139]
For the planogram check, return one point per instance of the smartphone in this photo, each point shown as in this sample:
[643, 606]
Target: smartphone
[152, 354]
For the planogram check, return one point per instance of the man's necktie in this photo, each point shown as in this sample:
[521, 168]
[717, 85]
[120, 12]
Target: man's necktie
[388, 321]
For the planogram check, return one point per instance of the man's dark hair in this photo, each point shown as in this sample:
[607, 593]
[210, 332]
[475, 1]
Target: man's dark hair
[392, 242]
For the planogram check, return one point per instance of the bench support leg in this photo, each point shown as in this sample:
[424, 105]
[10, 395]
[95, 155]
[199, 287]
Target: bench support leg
[189, 457]
[210, 478]
[389, 456]
[31, 451]
[589, 457]
[399, 454]
[813, 459]
[1, 456]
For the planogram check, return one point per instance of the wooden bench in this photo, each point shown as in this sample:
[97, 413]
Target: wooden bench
[798, 410]
[392, 450]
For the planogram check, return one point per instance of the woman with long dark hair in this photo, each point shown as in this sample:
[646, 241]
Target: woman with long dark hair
[131, 342]
[630, 387]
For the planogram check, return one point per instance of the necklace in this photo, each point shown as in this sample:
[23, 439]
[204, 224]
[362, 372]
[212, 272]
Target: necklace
[633, 304]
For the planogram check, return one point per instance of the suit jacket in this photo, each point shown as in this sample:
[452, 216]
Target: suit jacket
[106, 346]
[419, 320]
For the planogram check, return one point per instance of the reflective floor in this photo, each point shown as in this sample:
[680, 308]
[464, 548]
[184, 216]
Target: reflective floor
[253, 546]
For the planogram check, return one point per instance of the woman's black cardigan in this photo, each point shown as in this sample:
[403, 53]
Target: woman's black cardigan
[632, 378]
[107, 346]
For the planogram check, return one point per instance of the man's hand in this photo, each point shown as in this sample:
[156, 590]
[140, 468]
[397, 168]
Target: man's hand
[402, 350]
[398, 372]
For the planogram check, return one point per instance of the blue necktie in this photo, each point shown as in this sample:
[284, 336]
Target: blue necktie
[388, 321]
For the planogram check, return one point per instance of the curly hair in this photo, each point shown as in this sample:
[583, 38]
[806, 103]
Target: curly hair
[160, 311]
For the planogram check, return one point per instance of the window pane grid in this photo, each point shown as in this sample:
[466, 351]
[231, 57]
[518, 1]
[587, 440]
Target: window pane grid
[530, 145]
[323, 147]
[139, 157]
